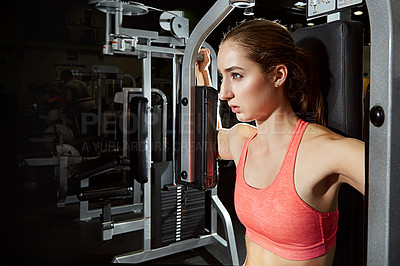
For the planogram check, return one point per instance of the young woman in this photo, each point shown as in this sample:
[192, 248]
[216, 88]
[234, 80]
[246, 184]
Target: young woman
[288, 171]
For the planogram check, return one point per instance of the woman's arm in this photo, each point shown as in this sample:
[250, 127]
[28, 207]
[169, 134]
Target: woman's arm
[203, 77]
[348, 156]
[223, 144]
[230, 141]
[352, 163]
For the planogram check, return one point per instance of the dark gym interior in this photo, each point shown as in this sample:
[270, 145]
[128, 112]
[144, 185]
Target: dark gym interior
[39, 40]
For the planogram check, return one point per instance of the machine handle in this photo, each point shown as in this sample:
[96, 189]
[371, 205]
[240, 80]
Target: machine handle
[199, 57]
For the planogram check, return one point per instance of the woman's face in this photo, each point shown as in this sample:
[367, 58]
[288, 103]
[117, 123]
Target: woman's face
[249, 93]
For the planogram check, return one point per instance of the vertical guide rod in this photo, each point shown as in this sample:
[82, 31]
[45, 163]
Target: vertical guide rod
[175, 79]
[147, 186]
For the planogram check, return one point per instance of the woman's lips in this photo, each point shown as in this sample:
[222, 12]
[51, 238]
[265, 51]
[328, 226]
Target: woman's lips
[235, 108]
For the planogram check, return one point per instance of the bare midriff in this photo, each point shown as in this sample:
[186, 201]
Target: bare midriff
[257, 255]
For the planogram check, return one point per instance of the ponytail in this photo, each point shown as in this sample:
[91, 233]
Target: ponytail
[303, 90]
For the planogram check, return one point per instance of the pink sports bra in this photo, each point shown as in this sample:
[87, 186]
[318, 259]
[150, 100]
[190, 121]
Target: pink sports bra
[276, 218]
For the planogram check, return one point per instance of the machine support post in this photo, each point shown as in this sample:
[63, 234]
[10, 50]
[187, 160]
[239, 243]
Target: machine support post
[125, 41]
[147, 186]
[227, 221]
[187, 126]
[383, 184]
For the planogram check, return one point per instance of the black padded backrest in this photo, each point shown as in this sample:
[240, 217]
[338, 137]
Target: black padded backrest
[138, 153]
[337, 49]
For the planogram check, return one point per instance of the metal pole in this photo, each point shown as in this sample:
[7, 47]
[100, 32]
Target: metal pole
[384, 143]
[147, 186]
[175, 86]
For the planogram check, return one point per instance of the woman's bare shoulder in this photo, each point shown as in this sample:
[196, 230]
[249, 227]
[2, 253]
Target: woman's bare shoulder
[336, 153]
[318, 141]
[241, 132]
[319, 133]
[238, 135]
[322, 136]
[230, 141]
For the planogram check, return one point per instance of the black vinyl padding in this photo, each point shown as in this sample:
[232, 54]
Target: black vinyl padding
[105, 193]
[138, 152]
[92, 167]
[337, 49]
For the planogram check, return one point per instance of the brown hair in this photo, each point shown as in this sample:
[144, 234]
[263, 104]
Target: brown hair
[269, 44]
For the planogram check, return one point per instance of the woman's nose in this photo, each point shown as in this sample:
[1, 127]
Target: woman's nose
[225, 92]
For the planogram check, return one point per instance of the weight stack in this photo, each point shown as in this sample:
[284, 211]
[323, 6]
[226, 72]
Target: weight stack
[178, 213]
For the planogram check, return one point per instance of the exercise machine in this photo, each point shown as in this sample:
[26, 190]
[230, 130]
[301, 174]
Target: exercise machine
[177, 195]
[383, 241]
[383, 182]
[381, 226]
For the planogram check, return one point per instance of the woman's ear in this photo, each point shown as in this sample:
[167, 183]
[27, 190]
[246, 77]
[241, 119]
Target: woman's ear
[280, 74]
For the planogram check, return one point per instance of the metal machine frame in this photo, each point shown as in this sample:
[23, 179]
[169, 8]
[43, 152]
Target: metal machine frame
[144, 224]
[382, 219]
[383, 160]
[125, 41]
[206, 25]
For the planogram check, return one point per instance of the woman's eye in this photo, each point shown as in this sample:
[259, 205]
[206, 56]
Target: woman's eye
[236, 76]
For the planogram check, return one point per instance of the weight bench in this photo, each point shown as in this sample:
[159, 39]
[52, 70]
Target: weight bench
[106, 193]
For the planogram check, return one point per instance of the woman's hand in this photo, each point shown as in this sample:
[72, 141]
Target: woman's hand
[202, 74]
[205, 63]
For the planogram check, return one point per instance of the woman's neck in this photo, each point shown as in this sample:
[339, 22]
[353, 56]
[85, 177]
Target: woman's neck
[278, 127]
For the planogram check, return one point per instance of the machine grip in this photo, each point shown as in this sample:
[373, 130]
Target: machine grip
[138, 153]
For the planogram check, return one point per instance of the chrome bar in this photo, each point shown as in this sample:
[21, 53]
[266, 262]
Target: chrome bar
[147, 186]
